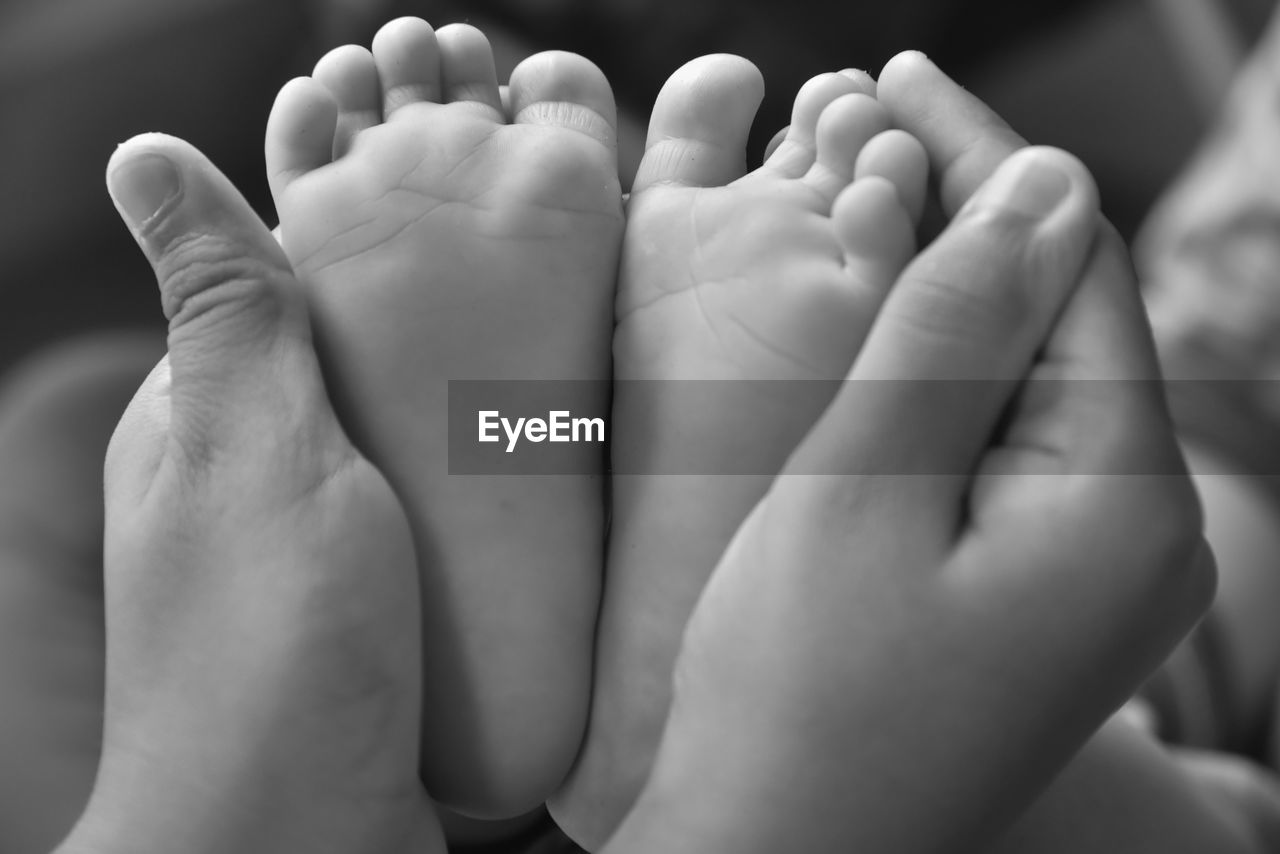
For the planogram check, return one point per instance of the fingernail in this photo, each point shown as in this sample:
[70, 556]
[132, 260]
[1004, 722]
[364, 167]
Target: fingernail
[1030, 185]
[143, 185]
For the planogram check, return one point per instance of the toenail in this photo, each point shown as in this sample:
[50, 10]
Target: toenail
[143, 185]
[1030, 185]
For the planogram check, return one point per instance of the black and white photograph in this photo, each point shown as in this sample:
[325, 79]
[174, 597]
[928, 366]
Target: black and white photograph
[640, 427]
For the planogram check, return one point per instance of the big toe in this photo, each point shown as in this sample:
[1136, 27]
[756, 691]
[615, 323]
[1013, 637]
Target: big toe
[468, 73]
[564, 90]
[700, 122]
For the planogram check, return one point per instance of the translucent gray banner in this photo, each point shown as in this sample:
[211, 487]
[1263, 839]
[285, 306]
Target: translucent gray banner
[749, 427]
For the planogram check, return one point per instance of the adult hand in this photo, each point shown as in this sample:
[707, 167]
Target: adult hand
[263, 674]
[977, 554]
[1121, 792]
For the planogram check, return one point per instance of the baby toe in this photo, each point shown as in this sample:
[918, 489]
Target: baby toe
[467, 69]
[876, 232]
[300, 133]
[408, 61]
[350, 75]
[797, 151]
[900, 158]
[845, 126]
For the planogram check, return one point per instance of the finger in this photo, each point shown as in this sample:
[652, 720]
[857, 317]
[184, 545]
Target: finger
[964, 137]
[234, 309]
[976, 305]
[1103, 333]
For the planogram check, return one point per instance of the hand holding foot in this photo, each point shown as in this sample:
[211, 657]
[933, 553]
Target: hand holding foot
[263, 685]
[921, 563]
[1149, 799]
[727, 280]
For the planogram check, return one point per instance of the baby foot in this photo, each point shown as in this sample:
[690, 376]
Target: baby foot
[460, 235]
[839, 674]
[774, 275]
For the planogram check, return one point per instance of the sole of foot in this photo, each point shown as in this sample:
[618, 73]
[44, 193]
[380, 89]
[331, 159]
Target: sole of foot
[445, 230]
[728, 279]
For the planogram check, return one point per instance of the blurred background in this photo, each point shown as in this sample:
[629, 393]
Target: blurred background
[1129, 85]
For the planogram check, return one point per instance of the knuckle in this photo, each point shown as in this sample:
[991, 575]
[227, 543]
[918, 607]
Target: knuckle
[965, 297]
[980, 277]
[205, 274]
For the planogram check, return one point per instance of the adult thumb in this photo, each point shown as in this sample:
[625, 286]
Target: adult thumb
[234, 307]
[962, 326]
